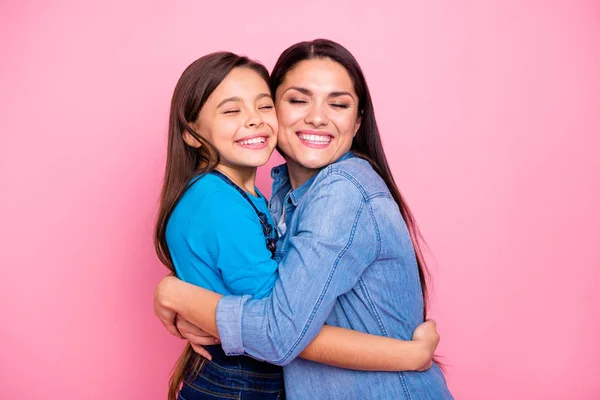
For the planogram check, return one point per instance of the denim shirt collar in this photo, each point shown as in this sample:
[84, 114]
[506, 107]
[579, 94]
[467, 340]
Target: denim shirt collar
[281, 178]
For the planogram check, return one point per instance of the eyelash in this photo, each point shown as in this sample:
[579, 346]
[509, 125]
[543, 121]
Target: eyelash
[295, 101]
[270, 107]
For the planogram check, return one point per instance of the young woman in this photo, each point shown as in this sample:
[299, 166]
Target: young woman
[215, 231]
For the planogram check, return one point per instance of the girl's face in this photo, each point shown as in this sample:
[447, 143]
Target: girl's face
[317, 108]
[239, 119]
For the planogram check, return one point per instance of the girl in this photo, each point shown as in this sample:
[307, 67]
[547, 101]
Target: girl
[214, 228]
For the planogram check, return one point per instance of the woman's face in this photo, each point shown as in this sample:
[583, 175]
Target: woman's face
[317, 109]
[239, 119]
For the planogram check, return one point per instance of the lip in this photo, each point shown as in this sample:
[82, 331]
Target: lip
[257, 146]
[265, 135]
[314, 133]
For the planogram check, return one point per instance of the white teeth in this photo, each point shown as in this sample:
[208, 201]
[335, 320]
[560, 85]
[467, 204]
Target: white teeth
[315, 138]
[257, 140]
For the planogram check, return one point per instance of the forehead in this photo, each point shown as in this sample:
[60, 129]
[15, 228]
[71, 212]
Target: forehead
[319, 75]
[241, 82]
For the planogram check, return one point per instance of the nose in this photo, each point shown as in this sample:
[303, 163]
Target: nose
[254, 119]
[317, 115]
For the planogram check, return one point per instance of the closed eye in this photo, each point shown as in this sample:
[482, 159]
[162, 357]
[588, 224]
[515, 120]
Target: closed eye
[340, 105]
[231, 112]
[270, 107]
[296, 101]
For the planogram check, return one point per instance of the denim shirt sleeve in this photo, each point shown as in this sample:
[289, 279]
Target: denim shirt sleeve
[336, 240]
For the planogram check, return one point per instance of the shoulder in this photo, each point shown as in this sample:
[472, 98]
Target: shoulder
[339, 201]
[209, 198]
[204, 187]
[210, 191]
[354, 176]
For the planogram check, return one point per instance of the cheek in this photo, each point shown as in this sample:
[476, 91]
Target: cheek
[283, 140]
[346, 126]
[288, 116]
[271, 120]
[223, 131]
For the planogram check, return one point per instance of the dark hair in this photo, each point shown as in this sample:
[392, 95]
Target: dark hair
[367, 142]
[184, 162]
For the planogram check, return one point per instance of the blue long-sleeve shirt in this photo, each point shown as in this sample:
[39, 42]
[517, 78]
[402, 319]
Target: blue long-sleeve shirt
[216, 240]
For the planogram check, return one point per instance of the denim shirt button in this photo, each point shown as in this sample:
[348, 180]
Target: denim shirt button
[289, 200]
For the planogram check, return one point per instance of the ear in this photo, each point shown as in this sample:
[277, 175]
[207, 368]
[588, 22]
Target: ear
[190, 140]
[357, 125]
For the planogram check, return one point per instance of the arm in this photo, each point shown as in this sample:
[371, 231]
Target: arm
[325, 259]
[350, 349]
[335, 346]
[275, 334]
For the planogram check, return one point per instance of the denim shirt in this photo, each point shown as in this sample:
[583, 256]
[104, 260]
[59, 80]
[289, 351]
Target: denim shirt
[347, 260]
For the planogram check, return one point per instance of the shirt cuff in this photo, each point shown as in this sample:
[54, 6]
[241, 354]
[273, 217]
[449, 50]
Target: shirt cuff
[229, 323]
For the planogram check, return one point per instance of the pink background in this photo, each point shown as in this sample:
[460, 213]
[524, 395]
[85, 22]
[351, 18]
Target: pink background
[490, 116]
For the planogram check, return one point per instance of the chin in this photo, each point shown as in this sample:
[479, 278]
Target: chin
[252, 159]
[313, 163]
[256, 162]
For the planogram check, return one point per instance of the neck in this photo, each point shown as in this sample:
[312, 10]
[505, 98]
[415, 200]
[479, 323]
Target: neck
[245, 178]
[299, 174]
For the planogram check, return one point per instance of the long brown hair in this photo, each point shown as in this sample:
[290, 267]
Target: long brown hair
[185, 162]
[367, 142]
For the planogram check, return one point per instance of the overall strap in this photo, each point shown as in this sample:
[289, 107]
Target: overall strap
[239, 189]
[264, 220]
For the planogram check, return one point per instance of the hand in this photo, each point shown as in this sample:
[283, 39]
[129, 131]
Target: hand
[196, 336]
[165, 314]
[427, 336]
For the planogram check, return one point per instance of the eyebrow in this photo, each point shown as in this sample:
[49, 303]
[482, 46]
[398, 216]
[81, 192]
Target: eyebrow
[263, 95]
[338, 94]
[308, 92]
[260, 96]
[301, 90]
[228, 100]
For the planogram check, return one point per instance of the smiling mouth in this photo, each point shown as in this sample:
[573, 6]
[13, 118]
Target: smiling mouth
[317, 140]
[253, 141]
